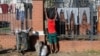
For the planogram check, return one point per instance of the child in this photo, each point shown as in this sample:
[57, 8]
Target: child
[52, 38]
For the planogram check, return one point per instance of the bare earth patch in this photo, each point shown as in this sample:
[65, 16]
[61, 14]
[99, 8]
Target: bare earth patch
[85, 53]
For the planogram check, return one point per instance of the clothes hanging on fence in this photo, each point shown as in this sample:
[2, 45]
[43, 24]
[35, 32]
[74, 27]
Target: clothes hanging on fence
[64, 10]
[81, 11]
[0, 10]
[84, 16]
[12, 6]
[20, 11]
[61, 13]
[28, 8]
[17, 10]
[4, 8]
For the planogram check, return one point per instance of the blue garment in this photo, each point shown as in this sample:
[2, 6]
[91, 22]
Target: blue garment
[17, 14]
[22, 15]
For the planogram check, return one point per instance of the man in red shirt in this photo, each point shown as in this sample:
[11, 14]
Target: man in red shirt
[52, 36]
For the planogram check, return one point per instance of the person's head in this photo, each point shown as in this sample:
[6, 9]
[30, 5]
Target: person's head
[84, 18]
[51, 13]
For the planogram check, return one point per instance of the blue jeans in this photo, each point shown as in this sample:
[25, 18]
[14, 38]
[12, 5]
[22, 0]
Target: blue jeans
[17, 14]
[22, 15]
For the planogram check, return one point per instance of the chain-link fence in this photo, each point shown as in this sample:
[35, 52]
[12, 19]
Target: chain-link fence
[74, 22]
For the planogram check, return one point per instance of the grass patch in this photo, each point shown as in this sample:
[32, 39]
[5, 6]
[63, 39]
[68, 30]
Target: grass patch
[5, 30]
[93, 52]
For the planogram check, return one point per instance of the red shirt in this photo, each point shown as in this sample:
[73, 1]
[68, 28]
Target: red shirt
[51, 26]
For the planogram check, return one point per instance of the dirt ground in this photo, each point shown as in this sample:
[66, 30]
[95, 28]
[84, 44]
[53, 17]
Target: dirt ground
[33, 53]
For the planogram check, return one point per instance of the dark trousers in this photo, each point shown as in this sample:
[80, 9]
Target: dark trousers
[62, 27]
[17, 14]
[28, 10]
[76, 29]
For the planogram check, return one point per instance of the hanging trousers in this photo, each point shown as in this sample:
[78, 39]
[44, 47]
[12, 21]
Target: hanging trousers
[28, 10]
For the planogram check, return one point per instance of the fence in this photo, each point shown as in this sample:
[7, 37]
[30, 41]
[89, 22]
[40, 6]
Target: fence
[75, 23]
[9, 22]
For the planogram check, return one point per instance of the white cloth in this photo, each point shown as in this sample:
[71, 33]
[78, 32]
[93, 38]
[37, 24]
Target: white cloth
[81, 10]
[67, 12]
[20, 6]
[12, 5]
[75, 12]
[44, 50]
[0, 10]
[59, 9]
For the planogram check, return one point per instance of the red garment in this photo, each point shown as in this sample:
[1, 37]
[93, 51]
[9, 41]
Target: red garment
[4, 8]
[51, 26]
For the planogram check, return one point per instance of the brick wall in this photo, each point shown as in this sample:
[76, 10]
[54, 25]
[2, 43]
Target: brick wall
[38, 15]
[70, 46]
[7, 41]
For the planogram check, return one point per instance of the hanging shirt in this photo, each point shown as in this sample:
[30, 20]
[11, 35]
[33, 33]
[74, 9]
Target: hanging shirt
[18, 5]
[21, 7]
[4, 8]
